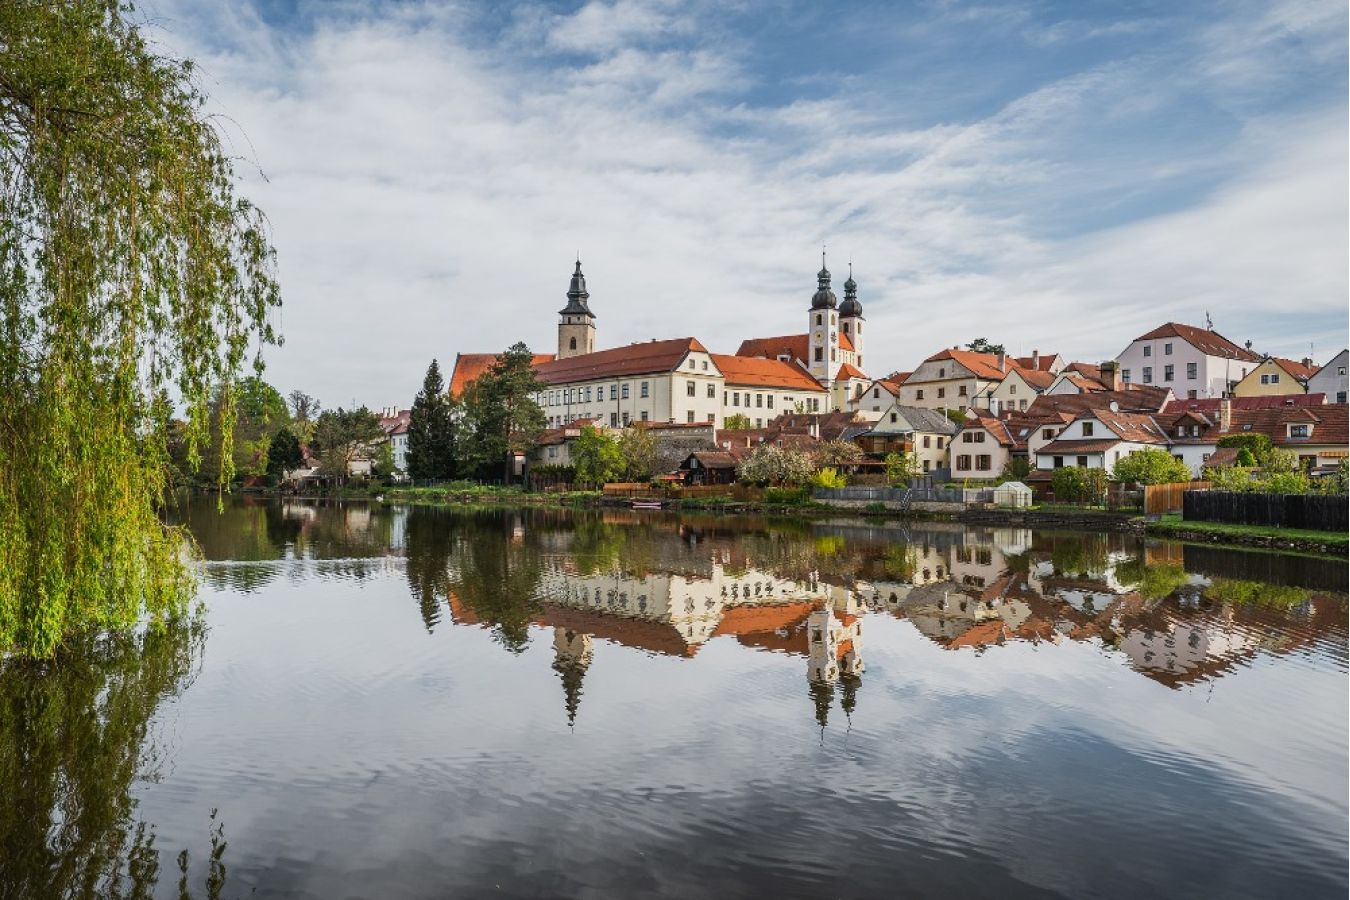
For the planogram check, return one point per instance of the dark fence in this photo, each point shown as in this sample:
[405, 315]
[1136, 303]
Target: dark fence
[1320, 512]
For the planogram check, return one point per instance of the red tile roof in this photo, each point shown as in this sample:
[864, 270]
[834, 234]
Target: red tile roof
[647, 358]
[1135, 427]
[754, 371]
[1208, 342]
[1295, 368]
[1036, 378]
[1140, 398]
[1211, 404]
[1043, 363]
[1068, 448]
[794, 346]
[848, 371]
[983, 365]
[469, 366]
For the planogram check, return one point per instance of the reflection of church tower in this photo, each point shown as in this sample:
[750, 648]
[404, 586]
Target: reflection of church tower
[822, 694]
[822, 664]
[576, 322]
[572, 657]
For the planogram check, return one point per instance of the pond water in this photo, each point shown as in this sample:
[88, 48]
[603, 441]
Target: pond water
[416, 702]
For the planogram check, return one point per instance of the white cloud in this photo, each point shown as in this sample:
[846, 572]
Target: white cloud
[429, 188]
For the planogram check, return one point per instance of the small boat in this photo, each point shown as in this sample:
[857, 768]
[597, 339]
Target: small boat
[646, 504]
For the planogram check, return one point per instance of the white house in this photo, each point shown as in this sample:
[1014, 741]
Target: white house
[1193, 362]
[1331, 379]
[1099, 438]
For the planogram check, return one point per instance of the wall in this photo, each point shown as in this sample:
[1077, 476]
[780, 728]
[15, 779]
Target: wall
[988, 446]
[1276, 381]
[1331, 379]
[1213, 373]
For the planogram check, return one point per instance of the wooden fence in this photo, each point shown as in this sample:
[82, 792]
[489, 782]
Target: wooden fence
[1320, 512]
[1166, 498]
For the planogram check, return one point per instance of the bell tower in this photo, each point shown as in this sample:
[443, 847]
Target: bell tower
[851, 317]
[823, 330]
[576, 322]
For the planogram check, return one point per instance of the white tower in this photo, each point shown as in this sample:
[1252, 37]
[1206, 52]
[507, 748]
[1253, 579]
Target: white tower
[851, 317]
[576, 322]
[823, 330]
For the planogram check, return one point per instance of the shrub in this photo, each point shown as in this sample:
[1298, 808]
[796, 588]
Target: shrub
[1150, 466]
[900, 468]
[1257, 444]
[1076, 484]
[772, 465]
[1017, 468]
[829, 478]
[784, 496]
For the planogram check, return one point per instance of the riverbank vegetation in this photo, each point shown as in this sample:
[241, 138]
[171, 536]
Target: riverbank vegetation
[132, 277]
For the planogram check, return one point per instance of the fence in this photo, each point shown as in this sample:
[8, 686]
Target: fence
[1166, 498]
[1320, 512]
[861, 494]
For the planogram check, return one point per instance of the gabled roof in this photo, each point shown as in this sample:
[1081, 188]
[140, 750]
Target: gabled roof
[1065, 446]
[983, 365]
[1270, 401]
[396, 424]
[1139, 398]
[1328, 424]
[996, 428]
[897, 378]
[847, 371]
[829, 425]
[1136, 427]
[469, 366]
[1296, 369]
[925, 421]
[1044, 362]
[1211, 343]
[754, 371]
[648, 358]
[1040, 379]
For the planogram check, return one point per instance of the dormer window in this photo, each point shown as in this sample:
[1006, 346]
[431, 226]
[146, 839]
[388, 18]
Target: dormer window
[1087, 429]
[1298, 431]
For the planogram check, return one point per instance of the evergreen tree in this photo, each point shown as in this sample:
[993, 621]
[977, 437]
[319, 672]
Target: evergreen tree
[431, 430]
[283, 455]
[500, 415]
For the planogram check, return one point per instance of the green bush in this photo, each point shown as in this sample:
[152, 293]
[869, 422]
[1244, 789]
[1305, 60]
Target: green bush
[1257, 444]
[786, 496]
[1150, 466]
[829, 478]
[1076, 484]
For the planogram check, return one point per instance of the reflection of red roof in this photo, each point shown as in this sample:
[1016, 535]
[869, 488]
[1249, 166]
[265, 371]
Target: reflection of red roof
[468, 366]
[1211, 343]
[751, 619]
[978, 635]
[644, 634]
[754, 371]
[650, 357]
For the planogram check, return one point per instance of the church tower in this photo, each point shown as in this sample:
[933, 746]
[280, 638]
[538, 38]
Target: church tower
[851, 317]
[823, 330]
[576, 322]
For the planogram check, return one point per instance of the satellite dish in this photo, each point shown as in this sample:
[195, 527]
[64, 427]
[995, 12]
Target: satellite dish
[1114, 406]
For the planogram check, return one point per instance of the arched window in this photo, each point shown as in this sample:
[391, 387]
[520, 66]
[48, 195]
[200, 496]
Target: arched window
[572, 345]
[819, 320]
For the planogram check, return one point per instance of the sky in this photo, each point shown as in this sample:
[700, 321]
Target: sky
[1060, 177]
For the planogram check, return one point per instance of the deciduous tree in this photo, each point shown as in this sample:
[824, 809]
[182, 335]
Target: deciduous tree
[901, 467]
[1150, 466]
[500, 415]
[342, 436]
[596, 457]
[639, 453]
[129, 271]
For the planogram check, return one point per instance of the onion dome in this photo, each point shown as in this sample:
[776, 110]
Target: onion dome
[577, 296]
[851, 306]
[824, 297]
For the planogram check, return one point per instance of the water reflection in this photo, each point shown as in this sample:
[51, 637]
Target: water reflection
[76, 735]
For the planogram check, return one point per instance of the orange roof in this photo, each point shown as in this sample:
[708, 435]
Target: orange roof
[1209, 342]
[749, 619]
[847, 371]
[1295, 368]
[469, 366]
[794, 346]
[979, 635]
[1036, 378]
[984, 365]
[755, 371]
[635, 359]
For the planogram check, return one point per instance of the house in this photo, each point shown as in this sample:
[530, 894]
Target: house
[849, 384]
[1018, 389]
[1193, 362]
[761, 389]
[1099, 438]
[1276, 375]
[1330, 379]
[878, 396]
[1315, 434]
[952, 379]
[554, 446]
[982, 448]
[1083, 378]
[711, 466]
[394, 423]
[911, 429]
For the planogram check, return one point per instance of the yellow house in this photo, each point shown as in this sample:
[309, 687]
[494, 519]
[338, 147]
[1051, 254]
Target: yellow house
[1276, 376]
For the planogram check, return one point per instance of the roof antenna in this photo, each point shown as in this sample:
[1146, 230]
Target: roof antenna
[1209, 323]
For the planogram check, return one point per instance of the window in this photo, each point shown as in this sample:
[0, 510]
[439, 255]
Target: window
[759, 401]
[572, 344]
[1340, 396]
[552, 452]
[942, 373]
[768, 401]
[942, 392]
[1148, 351]
[625, 390]
[613, 420]
[939, 443]
[1022, 404]
[614, 392]
[1195, 431]
[1167, 372]
[625, 420]
[759, 423]
[735, 398]
[983, 463]
[892, 417]
[961, 390]
[1059, 462]
[691, 363]
[1167, 349]
[1265, 379]
[876, 392]
[1275, 378]
[820, 354]
[690, 419]
[1082, 462]
[963, 461]
[1298, 431]
[642, 389]
[1192, 371]
[1087, 429]
[1148, 374]
[712, 392]
[689, 388]
[927, 442]
[705, 365]
[925, 464]
[918, 395]
[1125, 375]
[1012, 389]
[1047, 434]
[644, 415]
[1340, 370]
[588, 395]
[819, 319]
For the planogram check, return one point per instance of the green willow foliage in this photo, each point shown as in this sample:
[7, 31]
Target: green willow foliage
[128, 270]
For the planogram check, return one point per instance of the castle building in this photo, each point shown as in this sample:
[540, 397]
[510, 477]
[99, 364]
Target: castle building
[680, 381]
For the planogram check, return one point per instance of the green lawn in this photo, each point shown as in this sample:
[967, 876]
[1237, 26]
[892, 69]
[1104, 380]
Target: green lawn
[1173, 522]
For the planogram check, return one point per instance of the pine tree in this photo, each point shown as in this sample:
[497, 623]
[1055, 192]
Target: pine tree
[431, 430]
[500, 415]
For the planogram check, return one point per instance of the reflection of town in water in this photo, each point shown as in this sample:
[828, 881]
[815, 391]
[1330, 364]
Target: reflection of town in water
[668, 585]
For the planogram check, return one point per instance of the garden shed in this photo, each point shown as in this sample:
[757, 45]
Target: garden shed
[1012, 493]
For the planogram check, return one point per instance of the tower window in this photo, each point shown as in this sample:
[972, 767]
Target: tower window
[819, 319]
[820, 354]
[572, 345]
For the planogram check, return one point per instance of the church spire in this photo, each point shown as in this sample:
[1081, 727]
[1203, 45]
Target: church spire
[824, 297]
[851, 306]
[577, 296]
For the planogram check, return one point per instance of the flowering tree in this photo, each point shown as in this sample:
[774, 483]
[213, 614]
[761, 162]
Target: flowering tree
[778, 466]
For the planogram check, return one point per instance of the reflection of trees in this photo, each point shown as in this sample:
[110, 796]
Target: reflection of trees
[1079, 555]
[74, 734]
[1153, 582]
[498, 578]
[1257, 593]
[428, 546]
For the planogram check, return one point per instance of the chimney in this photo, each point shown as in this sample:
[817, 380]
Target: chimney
[1225, 415]
[1307, 362]
[1111, 375]
[1036, 360]
[815, 428]
[1001, 358]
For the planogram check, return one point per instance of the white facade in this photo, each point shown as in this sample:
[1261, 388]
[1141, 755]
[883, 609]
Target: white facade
[1171, 361]
[1331, 379]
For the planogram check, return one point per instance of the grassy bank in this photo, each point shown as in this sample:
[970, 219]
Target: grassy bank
[1331, 543]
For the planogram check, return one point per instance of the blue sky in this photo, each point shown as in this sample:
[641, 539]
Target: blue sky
[1053, 176]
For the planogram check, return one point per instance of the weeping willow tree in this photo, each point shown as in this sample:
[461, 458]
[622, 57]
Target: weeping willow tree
[130, 273]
